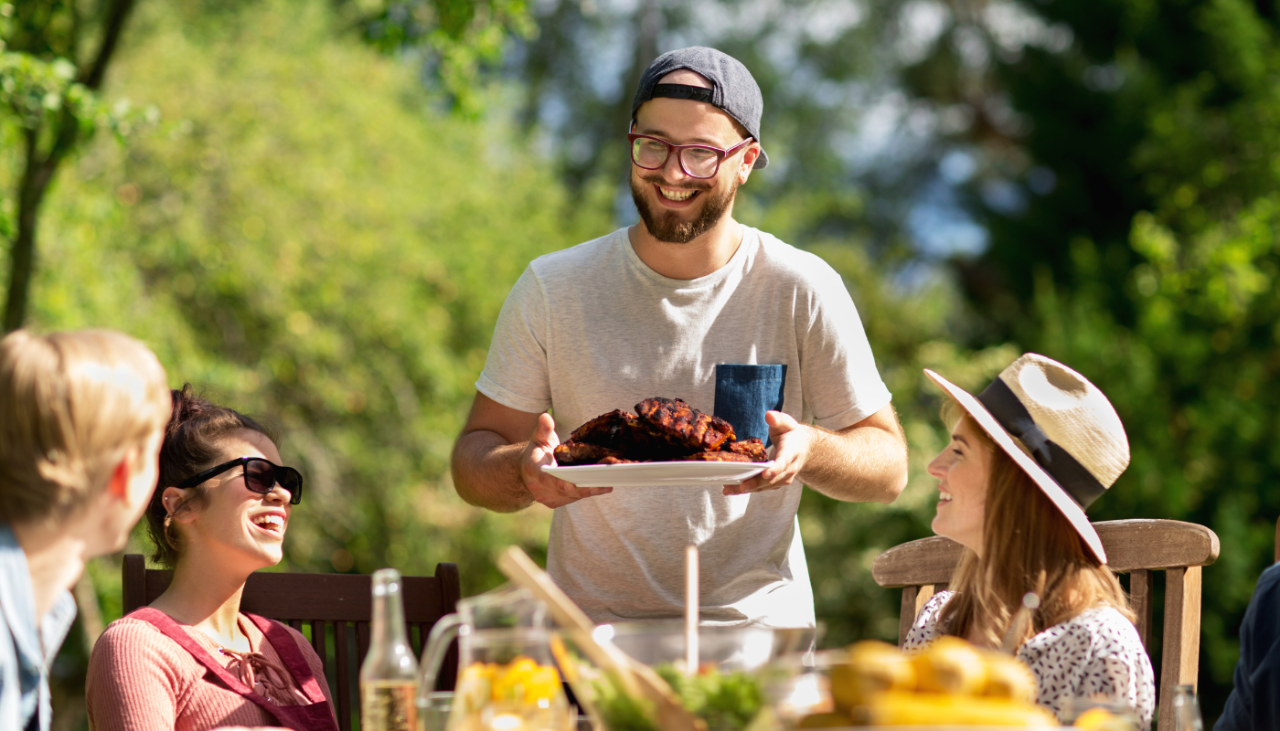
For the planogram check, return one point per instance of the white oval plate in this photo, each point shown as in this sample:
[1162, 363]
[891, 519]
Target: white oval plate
[657, 474]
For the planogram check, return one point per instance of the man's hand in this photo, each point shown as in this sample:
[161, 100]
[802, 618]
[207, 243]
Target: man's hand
[791, 441]
[860, 463]
[498, 465]
[550, 491]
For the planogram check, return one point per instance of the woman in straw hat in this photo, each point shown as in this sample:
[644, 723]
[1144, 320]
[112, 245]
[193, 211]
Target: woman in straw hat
[1026, 457]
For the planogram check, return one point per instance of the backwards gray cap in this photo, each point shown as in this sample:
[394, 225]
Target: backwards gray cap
[733, 89]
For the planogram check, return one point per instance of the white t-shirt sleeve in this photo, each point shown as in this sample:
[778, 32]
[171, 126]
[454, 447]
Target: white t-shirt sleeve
[515, 372]
[842, 385]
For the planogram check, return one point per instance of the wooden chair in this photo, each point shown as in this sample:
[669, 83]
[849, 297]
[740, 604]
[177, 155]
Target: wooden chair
[1135, 547]
[335, 608]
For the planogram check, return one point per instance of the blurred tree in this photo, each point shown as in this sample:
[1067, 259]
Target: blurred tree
[1076, 119]
[308, 240]
[48, 77]
[824, 68]
[847, 155]
[1124, 158]
[311, 240]
[56, 53]
[460, 39]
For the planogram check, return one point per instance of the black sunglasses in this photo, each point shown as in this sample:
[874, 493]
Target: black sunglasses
[260, 476]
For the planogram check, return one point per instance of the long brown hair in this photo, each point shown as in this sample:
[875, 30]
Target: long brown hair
[1027, 545]
[190, 447]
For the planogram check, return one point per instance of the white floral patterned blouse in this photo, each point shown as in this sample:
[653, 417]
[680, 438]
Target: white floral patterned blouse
[1096, 653]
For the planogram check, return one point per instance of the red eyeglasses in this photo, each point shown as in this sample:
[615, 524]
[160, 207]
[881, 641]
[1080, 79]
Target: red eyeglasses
[697, 161]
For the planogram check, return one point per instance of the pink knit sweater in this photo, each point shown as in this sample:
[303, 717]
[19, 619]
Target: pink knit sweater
[140, 680]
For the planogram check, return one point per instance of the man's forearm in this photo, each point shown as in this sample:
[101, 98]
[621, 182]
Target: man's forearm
[866, 464]
[486, 472]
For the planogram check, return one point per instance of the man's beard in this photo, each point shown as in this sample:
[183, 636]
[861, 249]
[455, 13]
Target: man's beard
[670, 226]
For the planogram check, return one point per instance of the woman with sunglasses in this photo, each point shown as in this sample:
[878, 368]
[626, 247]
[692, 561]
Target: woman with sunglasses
[192, 660]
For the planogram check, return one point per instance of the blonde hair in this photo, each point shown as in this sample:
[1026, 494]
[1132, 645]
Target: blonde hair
[73, 404]
[1027, 545]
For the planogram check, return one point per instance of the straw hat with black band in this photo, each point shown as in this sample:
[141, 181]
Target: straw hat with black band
[1058, 427]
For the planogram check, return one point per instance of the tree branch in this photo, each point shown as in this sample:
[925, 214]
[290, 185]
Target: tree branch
[22, 251]
[117, 13]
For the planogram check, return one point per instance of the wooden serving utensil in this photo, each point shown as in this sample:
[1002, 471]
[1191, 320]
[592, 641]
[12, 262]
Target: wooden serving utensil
[638, 678]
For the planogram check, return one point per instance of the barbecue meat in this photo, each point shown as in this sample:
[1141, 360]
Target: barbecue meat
[664, 429]
[605, 430]
[752, 448]
[683, 427]
[623, 432]
[574, 453]
[715, 457]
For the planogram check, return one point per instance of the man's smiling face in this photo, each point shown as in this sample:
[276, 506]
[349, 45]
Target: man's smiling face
[675, 207]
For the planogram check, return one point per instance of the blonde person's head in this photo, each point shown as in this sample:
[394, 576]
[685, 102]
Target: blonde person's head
[74, 404]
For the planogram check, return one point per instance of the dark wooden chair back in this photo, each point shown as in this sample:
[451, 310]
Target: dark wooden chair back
[333, 609]
[1136, 547]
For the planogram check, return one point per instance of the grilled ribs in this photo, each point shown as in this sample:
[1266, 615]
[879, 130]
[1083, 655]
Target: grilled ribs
[752, 448]
[575, 453]
[665, 429]
[715, 457]
[682, 426]
[605, 430]
[623, 432]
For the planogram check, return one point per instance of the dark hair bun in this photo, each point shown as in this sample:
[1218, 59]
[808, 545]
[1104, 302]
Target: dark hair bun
[187, 406]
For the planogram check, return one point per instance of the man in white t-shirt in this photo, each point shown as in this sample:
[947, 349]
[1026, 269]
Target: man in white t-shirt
[686, 304]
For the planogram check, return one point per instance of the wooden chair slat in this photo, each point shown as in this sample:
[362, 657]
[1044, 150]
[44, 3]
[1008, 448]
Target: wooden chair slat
[908, 612]
[926, 561]
[318, 641]
[1181, 649]
[1130, 544]
[341, 601]
[362, 638]
[342, 661]
[1142, 585]
[1157, 544]
[450, 593]
[135, 582]
[922, 598]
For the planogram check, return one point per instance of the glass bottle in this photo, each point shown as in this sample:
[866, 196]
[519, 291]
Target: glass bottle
[1186, 709]
[389, 675]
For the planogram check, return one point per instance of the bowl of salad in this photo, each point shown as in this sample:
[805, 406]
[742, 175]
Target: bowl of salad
[725, 692]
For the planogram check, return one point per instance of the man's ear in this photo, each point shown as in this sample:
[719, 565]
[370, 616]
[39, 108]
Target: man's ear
[748, 162]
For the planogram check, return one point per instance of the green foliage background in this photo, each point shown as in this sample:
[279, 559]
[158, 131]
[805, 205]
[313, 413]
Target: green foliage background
[310, 236]
[1151, 264]
[305, 238]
